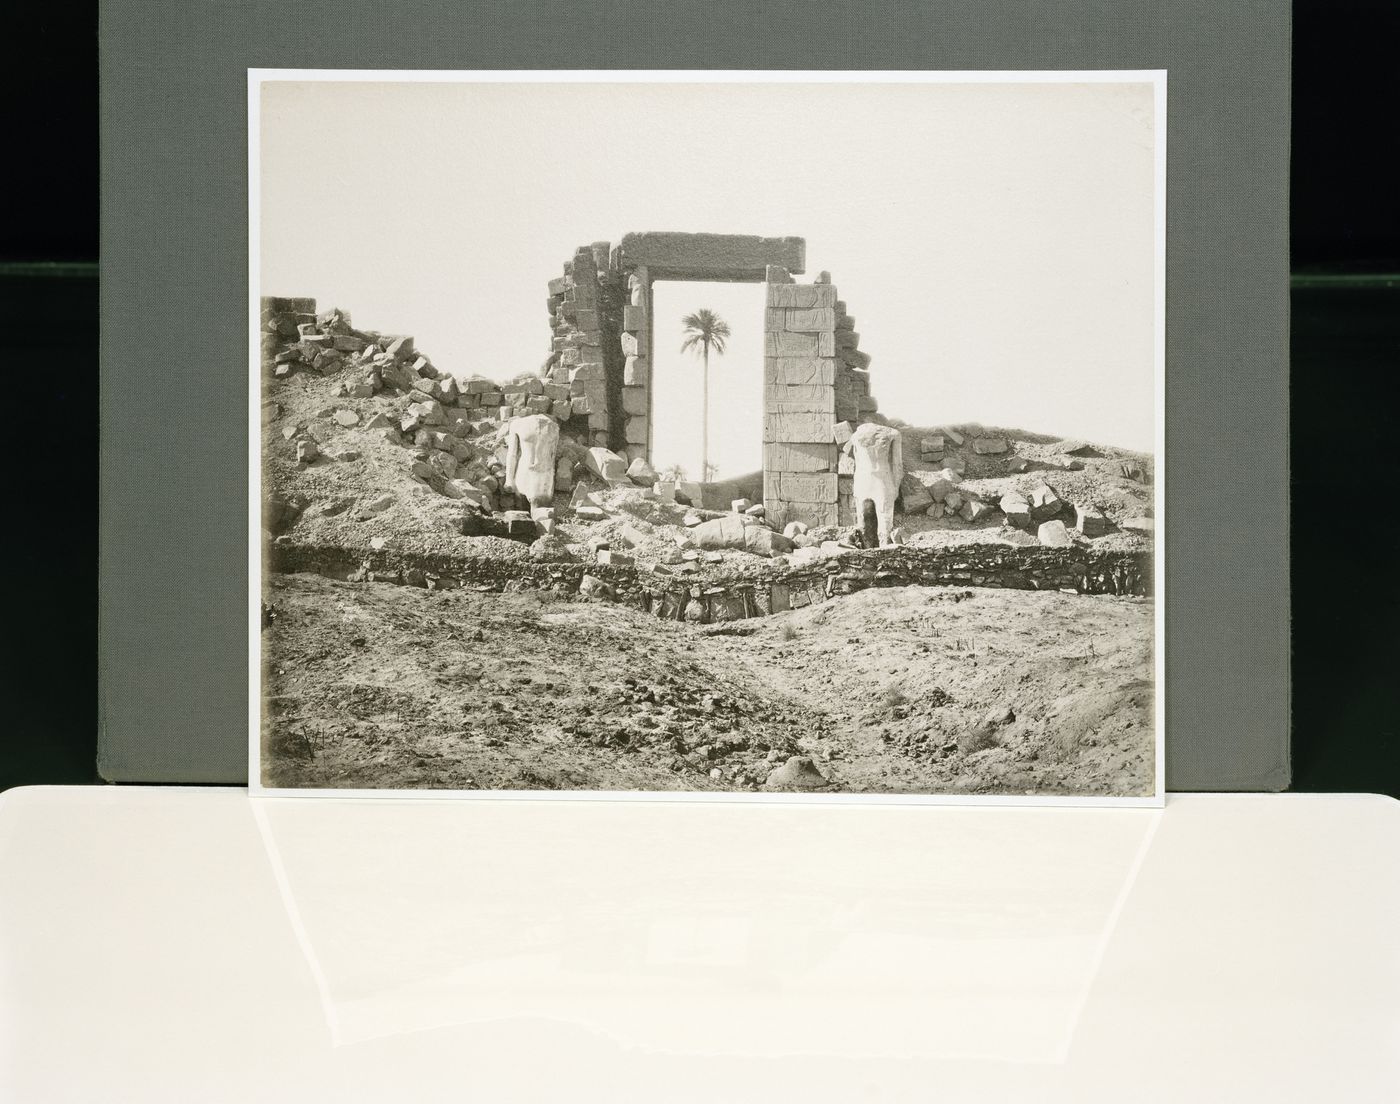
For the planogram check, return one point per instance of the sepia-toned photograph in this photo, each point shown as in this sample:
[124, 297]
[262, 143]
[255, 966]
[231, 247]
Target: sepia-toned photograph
[714, 436]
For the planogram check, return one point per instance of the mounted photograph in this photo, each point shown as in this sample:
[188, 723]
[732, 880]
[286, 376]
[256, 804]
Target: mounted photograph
[707, 436]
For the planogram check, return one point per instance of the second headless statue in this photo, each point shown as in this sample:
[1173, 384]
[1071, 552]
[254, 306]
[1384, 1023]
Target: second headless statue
[879, 462]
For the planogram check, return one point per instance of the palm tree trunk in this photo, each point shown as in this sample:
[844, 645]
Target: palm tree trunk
[705, 419]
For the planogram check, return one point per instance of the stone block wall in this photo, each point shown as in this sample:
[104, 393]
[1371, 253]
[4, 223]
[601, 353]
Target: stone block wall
[814, 379]
[280, 327]
[585, 359]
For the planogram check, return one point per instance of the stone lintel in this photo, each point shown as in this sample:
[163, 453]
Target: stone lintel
[738, 257]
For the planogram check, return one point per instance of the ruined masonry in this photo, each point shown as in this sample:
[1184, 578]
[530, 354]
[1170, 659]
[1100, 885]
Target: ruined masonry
[816, 382]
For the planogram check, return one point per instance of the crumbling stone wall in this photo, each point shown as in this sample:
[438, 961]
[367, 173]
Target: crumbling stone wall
[280, 327]
[1083, 571]
[584, 366]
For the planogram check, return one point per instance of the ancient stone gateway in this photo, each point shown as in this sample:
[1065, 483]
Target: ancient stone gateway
[816, 386]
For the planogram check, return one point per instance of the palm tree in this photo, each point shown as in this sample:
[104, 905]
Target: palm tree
[705, 330]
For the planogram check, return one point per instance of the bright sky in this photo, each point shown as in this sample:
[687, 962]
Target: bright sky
[994, 242]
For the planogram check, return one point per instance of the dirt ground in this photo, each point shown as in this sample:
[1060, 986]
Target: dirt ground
[905, 690]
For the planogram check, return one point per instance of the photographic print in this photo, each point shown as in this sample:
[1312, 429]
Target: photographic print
[716, 436]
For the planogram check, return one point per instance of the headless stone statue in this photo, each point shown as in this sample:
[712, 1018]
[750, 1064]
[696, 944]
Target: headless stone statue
[531, 444]
[879, 462]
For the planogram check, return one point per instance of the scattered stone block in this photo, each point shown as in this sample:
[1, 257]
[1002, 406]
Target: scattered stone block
[1142, 525]
[377, 505]
[641, 472]
[739, 505]
[1017, 509]
[1045, 503]
[665, 490]
[1090, 520]
[974, 509]
[953, 435]
[590, 586]
[307, 451]
[989, 446]
[842, 432]
[1017, 464]
[590, 513]
[611, 558]
[1053, 534]
[915, 495]
[347, 418]
[606, 464]
[762, 541]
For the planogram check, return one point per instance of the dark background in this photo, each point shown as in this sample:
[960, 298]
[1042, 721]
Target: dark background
[1345, 355]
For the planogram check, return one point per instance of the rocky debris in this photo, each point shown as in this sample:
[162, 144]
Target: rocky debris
[989, 446]
[1079, 449]
[1053, 534]
[609, 557]
[1045, 503]
[974, 509]
[1142, 525]
[1017, 464]
[757, 510]
[915, 495]
[1017, 509]
[307, 451]
[798, 773]
[1132, 469]
[1090, 520]
[641, 472]
[794, 529]
[762, 541]
[590, 586]
[607, 465]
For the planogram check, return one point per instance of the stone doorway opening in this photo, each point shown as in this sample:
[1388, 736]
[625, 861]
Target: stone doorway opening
[735, 437]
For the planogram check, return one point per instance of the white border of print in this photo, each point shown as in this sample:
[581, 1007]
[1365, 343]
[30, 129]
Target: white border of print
[256, 77]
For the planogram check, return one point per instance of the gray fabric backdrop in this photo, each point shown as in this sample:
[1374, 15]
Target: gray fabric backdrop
[173, 524]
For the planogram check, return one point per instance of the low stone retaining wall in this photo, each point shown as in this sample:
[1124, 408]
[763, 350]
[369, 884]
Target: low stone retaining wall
[718, 599]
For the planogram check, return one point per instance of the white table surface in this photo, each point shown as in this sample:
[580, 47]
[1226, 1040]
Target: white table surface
[195, 945]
